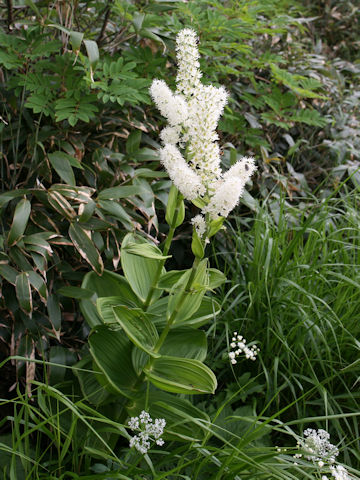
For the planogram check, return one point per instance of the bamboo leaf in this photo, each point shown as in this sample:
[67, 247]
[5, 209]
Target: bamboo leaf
[86, 247]
[20, 219]
[60, 163]
[23, 292]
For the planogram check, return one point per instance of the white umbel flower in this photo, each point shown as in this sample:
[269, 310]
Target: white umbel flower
[340, 473]
[188, 77]
[317, 447]
[149, 431]
[183, 177]
[238, 344]
[172, 107]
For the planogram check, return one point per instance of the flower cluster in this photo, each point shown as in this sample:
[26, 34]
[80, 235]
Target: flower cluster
[238, 343]
[317, 448]
[190, 153]
[149, 431]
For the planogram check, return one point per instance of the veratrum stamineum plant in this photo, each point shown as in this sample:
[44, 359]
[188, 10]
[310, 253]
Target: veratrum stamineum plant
[145, 340]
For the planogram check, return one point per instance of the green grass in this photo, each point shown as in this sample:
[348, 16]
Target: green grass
[295, 281]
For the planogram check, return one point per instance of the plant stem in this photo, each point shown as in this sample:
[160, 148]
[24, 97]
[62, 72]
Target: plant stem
[171, 320]
[174, 314]
[165, 252]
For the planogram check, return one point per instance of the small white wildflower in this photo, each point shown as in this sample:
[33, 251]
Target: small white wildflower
[340, 473]
[183, 177]
[134, 423]
[324, 477]
[317, 446]
[172, 107]
[149, 431]
[200, 225]
[249, 352]
[321, 463]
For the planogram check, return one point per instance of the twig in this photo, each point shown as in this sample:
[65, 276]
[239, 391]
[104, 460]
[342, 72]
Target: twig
[105, 22]
[10, 11]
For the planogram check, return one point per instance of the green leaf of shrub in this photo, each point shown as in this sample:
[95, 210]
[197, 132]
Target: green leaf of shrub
[19, 223]
[23, 292]
[61, 164]
[86, 247]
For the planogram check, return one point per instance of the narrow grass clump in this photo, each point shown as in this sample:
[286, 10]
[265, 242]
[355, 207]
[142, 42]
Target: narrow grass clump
[296, 289]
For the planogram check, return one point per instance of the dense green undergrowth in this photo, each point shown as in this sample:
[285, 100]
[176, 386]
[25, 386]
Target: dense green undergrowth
[79, 171]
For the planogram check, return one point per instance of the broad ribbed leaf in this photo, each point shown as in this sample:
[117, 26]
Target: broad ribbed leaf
[86, 247]
[169, 279]
[182, 342]
[90, 387]
[193, 296]
[138, 328]
[21, 217]
[105, 307]
[185, 343]
[216, 278]
[181, 375]
[208, 309]
[111, 350]
[145, 250]
[139, 271]
[171, 208]
[108, 285]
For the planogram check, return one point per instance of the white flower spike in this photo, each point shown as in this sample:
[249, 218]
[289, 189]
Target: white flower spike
[191, 154]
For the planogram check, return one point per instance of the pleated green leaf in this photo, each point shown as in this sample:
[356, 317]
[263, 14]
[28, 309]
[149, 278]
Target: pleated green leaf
[139, 271]
[138, 327]
[109, 285]
[111, 350]
[181, 375]
[208, 309]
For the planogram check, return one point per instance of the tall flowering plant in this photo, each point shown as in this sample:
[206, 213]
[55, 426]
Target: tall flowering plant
[146, 344]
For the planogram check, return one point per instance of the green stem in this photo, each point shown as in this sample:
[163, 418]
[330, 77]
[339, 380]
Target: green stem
[165, 252]
[179, 304]
[171, 320]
